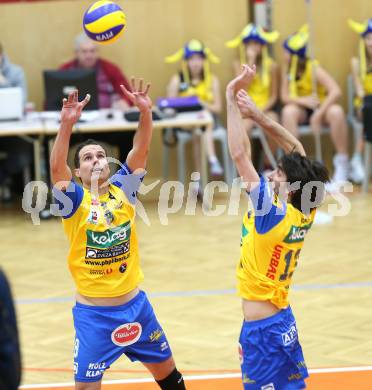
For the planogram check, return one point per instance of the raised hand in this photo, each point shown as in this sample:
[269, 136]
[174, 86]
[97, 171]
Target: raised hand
[139, 96]
[71, 109]
[242, 81]
[246, 106]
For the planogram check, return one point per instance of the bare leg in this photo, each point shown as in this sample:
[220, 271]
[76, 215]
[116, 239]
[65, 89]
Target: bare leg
[88, 385]
[161, 370]
[359, 147]
[335, 118]
[209, 143]
[357, 168]
[214, 164]
[292, 116]
[196, 150]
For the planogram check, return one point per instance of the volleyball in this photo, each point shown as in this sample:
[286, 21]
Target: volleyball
[104, 21]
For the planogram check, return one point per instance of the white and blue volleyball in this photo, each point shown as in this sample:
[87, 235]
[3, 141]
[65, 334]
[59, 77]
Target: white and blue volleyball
[104, 21]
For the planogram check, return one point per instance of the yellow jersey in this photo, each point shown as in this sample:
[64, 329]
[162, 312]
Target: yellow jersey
[203, 90]
[273, 235]
[103, 256]
[304, 85]
[259, 90]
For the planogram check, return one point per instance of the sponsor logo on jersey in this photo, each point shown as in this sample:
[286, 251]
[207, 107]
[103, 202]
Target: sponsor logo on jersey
[104, 262]
[110, 237]
[290, 336]
[126, 334]
[274, 262]
[297, 233]
[93, 217]
[107, 271]
[247, 379]
[269, 386]
[123, 267]
[95, 369]
[117, 250]
[295, 377]
[156, 334]
[164, 346]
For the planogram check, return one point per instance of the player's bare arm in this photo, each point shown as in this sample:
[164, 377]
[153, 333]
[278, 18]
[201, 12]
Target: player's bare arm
[137, 157]
[239, 144]
[272, 129]
[70, 114]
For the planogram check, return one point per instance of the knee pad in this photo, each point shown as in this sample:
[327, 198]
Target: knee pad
[174, 381]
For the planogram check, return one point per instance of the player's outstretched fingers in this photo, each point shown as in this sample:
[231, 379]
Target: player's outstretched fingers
[133, 83]
[127, 93]
[140, 86]
[85, 101]
[70, 97]
[146, 91]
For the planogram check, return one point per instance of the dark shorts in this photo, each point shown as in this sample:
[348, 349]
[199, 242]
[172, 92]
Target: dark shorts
[104, 333]
[308, 113]
[270, 354]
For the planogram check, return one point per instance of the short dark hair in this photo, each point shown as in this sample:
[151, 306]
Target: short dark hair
[81, 146]
[302, 169]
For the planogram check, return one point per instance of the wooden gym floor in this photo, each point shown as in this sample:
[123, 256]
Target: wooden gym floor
[189, 269]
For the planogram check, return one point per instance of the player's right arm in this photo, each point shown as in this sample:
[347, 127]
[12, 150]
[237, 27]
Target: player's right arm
[238, 141]
[60, 172]
[283, 137]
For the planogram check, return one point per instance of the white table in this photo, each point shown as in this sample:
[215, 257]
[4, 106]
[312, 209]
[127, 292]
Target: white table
[37, 125]
[101, 123]
[30, 129]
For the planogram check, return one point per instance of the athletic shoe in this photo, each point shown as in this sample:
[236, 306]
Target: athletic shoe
[215, 168]
[357, 173]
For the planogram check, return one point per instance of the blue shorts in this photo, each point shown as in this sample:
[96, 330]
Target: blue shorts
[104, 333]
[271, 357]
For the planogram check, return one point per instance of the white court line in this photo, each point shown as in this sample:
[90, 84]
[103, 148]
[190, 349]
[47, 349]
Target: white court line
[200, 377]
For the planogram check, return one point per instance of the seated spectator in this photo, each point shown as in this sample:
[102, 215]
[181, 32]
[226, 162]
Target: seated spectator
[10, 357]
[11, 75]
[310, 95]
[361, 70]
[264, 90]
[109, 76]
[109, 79]
[15, 152]
[195, 79]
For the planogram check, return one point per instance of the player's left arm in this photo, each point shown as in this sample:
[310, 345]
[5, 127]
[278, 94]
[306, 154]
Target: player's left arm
[137, 157]
[283, 137]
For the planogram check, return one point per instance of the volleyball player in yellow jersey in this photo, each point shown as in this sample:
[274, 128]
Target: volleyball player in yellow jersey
[273, 234]
[361, 70]
[253, 49]
[310, 95]
[112, 316]
[196, 79]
